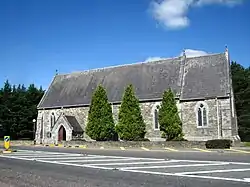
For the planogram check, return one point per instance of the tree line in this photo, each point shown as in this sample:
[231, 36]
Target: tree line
[18, 109]
[241, 86]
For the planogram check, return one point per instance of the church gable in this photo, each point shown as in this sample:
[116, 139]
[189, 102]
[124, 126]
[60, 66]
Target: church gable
[61, 121]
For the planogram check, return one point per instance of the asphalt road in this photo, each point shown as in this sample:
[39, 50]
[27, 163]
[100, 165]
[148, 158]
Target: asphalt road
[83, 167]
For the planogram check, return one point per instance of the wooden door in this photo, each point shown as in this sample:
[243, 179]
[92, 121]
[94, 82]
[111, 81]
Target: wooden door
[61, 134]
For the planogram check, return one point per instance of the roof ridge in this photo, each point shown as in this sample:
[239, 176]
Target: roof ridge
[116, 66]
[209, 54]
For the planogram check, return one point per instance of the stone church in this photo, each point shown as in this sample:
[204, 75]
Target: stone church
[202, 86]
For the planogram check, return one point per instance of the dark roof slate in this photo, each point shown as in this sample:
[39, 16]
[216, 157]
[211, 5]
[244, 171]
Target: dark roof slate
[74, 123]
[195, 77]
[149, 80]
[205, 76]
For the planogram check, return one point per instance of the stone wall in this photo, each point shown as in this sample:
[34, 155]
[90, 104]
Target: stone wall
[219, 120]
[147, 144]
[118, 144]
[81, 113]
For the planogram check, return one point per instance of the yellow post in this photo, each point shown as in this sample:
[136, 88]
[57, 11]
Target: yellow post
[6, 142]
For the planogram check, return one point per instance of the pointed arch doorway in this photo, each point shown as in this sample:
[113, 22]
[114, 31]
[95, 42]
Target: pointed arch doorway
[61, 134]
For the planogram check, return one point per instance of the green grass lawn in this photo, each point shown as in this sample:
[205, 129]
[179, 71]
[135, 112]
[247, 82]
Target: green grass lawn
[247, 144]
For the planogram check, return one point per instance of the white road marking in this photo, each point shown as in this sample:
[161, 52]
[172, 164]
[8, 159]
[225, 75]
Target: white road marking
[133, 163]
[57, 158]
[174, 166]
[247, 179]
[191, 176]
[37, 152]
[214, 171]
[105, 160]
[46, 156]
[73, 158]
[71, 164]
[201, 161]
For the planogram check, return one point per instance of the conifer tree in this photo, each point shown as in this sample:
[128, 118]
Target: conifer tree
[100, 125]
[169, 120]
[131, 126]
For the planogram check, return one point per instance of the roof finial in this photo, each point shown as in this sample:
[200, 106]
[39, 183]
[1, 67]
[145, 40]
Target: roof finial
[226, 48]
[56, 72]
[184, 52]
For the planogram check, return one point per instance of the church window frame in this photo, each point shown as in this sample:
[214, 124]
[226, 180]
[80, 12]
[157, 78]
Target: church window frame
[155, 112]
[52, 120]
[202, 113]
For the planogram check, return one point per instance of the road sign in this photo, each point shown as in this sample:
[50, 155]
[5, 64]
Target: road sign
[6, 142]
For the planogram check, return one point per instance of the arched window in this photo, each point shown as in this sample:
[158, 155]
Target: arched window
[155, 112]
[202, 113]
[156, 117]
[52, 120]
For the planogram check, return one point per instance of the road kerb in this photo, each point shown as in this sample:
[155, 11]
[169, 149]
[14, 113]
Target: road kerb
[170, 149]
[101, 147]
[202, 150]
[144, 148]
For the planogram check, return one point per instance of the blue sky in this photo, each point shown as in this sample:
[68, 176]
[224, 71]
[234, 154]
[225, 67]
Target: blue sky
[39, 36]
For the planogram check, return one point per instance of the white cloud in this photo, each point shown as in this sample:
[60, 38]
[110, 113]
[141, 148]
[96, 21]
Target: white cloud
[173, 14]
[194, 53]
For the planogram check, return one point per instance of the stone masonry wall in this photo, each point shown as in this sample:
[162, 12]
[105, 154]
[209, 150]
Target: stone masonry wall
[81, 114]
[219, 120]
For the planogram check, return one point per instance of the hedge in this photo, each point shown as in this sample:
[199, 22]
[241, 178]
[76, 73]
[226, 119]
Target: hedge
[218, 144]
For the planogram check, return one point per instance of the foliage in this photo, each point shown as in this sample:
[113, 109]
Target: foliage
[18, 109]
[100, 125]
[241, 87]
[247, 144]
[131, 126]
[218, 144]
[169, 120]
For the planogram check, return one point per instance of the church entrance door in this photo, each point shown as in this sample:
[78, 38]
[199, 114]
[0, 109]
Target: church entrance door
[61, 134]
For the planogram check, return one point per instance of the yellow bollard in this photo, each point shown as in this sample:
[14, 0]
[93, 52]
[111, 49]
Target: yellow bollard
[7, 144]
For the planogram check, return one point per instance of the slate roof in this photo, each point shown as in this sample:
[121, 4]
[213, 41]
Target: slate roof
[205, 76]
[195, 77]
[74, 123]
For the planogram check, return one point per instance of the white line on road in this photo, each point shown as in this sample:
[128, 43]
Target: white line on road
[47, 156]
[174, 166]
[151, 172]
[74, 157]
[188, 176]
[37, 152]
[106, 160]
[213, 171]
[133, 163]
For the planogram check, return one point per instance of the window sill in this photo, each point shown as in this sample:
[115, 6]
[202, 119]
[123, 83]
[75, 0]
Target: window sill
[202, 127]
